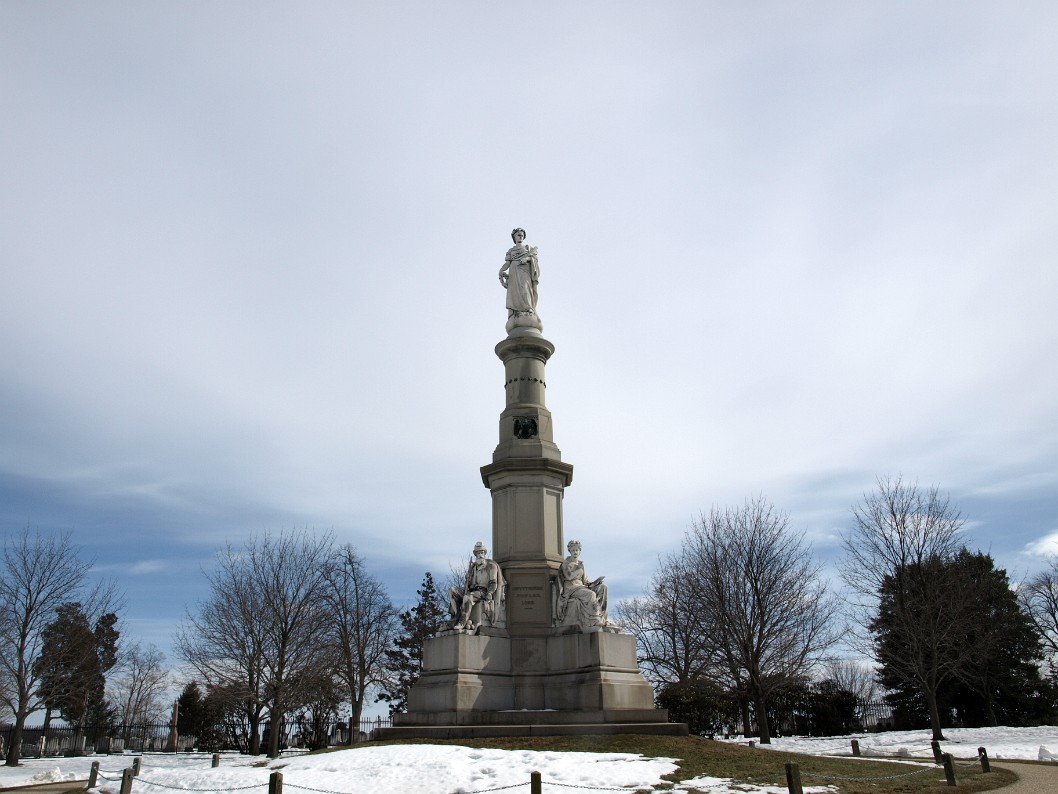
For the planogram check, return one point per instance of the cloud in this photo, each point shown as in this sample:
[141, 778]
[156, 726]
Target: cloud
[1047, 546]
[148, 566]
[248, 278]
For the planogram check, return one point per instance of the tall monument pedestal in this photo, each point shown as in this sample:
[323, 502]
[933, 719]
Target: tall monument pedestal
[554, 664]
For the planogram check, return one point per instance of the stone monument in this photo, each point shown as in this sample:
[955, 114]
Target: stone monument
[531, 649]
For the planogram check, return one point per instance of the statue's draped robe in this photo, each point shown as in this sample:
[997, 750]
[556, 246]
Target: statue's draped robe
[523, 275]
[580, 603]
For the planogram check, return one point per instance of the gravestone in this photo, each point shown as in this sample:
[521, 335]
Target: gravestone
[554, 663]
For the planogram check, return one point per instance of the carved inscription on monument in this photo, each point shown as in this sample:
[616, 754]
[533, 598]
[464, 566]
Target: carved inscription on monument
[528, 599]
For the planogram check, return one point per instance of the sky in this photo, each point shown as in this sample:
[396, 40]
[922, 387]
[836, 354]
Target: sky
[249, 257]
[442, 769]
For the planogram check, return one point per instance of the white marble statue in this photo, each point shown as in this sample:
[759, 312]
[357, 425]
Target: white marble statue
[481, 600]
[580, 602]
[520, 275]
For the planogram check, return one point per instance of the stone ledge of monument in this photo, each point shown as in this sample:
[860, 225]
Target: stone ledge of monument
[531, 717]
[525, 343]
[495, 731]
[525, 465]
[480, 631]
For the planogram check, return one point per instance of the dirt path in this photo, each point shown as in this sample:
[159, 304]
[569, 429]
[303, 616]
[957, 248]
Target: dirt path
[66, 787]
[1032, 778]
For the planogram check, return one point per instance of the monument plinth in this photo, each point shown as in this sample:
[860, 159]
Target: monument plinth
[531, 650]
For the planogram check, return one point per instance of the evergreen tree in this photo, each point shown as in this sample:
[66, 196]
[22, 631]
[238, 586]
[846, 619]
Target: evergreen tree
[200, 716]
[74, 662]
[699, 702]
[1002, 677]
[991, 659]
[831, 709]
[404, 660]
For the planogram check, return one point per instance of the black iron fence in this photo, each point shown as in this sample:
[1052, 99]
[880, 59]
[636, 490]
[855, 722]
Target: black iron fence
[60, 739]
[801, 719]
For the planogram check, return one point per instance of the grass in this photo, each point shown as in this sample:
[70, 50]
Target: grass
[754, 766]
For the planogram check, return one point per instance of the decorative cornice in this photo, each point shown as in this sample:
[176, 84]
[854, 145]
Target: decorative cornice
[525, 347]
[521, 465]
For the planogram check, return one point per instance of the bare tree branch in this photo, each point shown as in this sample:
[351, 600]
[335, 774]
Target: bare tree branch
[40, 573]
[903, 535]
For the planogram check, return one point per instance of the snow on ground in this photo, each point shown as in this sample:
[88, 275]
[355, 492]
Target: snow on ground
[436, 769]
[1010, 743]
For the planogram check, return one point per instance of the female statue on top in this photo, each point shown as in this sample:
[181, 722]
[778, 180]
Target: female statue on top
[520, 275]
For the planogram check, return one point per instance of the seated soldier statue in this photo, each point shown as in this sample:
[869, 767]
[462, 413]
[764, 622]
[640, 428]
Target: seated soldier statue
[480, 602]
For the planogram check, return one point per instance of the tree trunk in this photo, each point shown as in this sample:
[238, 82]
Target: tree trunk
[762, 718]
[743, 705]
[990, 712]
[255, 734]
[273, 736]
[934, 714]
[15, 750]
[355, 717]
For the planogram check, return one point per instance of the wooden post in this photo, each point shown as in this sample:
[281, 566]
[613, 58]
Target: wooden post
[949, 769]
[275, 783]
[856, 747]
[216, 760]
[535, 783]
[126, 780]
[938, 757]
[136, 766]
[93, 775]
[793, 778]
[982, 754]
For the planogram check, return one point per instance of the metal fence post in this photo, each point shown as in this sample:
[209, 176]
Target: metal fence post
[793, 778]
[982, 755]
[126, 780]
[93, 775]
[949, 769]
[535, 783]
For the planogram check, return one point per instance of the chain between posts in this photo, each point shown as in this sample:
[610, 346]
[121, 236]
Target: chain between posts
[793, 779]
[869, 779]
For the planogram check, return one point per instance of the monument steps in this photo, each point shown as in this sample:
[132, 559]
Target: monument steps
[534, 729]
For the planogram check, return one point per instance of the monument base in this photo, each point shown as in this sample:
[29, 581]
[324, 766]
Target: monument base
[562, 684]
[535, 724]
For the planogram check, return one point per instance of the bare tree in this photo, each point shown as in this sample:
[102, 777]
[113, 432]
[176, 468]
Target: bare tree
[260, 629]
[854, 676]
[1039, 598]
[142, 680]
[672, 643]
[40, 574]
[364, 624]
[903, 537]
[223, 642]
[763, 600]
